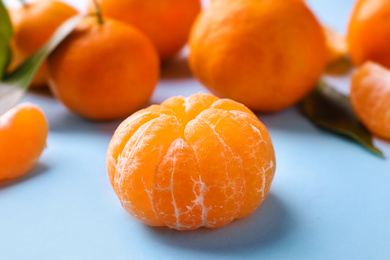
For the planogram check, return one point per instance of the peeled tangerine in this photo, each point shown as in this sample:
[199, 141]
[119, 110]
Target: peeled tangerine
[370, 98]
[23, 132]
[191, 162]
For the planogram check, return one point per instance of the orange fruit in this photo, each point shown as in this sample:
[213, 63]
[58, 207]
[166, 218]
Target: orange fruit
[336, 45]
[104, 71]
[191, 162]
[369, 32]
[166, 22]
[265, 54]
[370, 98]
[23, 132]
[33, 24]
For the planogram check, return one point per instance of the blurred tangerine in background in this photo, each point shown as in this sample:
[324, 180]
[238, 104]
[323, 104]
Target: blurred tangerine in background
[370, 98]
[369, 32]
[265, 54]
[33, 24]
[23, 133]
[166, 22]
[104, 69]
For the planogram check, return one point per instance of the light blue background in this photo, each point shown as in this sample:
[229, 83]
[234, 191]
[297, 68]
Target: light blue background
[330, 198]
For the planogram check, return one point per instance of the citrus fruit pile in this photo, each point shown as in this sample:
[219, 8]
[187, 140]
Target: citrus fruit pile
[203, 160]
[109, 66]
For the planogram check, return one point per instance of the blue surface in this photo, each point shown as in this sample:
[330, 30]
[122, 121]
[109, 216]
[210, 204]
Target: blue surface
[329, 199]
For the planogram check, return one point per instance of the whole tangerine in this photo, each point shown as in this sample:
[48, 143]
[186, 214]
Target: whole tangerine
[33, 24]
[104, 70]
[370, 98]
[336, 45]
[369, 32]
[23, 133]
[191, 162]
[265, 54]
[166, 22]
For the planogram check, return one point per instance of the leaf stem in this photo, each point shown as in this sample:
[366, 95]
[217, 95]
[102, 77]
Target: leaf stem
[98, 12]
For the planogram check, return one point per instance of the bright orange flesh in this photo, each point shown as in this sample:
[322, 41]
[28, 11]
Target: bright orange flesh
[264, 54]
[166, 22]
[191, 162]
[104, 71]
[370, 98]
[23, 132]
[369, 32]
[33, 25]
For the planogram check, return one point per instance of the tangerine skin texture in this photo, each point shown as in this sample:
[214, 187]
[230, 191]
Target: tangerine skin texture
[191, 162]
[32, 26]
[104, 71]
[166, 22]
[265, 54]
[369, 32]
[370, 98]
[23, 133]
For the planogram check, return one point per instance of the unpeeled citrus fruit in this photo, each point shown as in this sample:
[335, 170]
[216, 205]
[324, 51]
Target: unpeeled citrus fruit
[265, 54]
[336, 45]
[370, 98]
[104, 70]
[33, 24]
[23, 132]
[369, 32]
[166, 22]
[191, 162]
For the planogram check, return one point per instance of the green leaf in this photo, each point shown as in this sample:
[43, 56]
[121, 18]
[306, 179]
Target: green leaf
[14, 85]
[5, 37]
[331, 110]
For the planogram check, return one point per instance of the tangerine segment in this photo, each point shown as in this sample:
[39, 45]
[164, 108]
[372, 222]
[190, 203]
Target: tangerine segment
[177, 197]
[370, 98]
[220, 177]
[206, 163]
[126, 130]
[23, 132]
[137, 165]
[177, 105]
[188, 108]
[248, 148]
